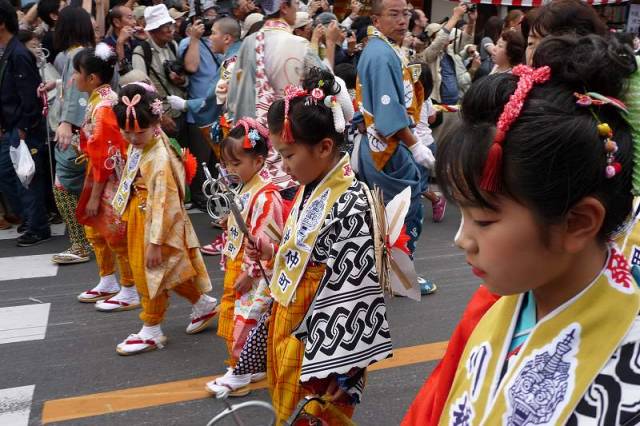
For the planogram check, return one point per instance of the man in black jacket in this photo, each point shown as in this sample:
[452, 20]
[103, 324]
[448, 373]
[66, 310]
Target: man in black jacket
[21, 119]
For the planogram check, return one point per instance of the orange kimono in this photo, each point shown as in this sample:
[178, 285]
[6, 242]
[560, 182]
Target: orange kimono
[104, 148]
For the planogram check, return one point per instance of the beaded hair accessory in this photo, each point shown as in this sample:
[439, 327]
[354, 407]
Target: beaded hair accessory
[131, 112]
[589, 100]
[252, 132]
[491, 175]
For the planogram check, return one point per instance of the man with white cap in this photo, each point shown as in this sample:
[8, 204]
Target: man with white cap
[250, 21]
[303, 26]
[154, 56]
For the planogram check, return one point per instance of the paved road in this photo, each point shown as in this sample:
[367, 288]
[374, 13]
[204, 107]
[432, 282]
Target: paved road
[52, 347]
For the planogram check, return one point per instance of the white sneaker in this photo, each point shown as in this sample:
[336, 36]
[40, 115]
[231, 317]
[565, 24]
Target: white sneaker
[202, 314]
[126, 300]
[229, 385]
[107, 287]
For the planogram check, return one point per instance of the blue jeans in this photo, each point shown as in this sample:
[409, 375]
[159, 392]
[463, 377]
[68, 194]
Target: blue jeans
[28, 203]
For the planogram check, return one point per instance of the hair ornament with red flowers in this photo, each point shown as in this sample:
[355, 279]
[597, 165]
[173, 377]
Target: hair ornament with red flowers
[340, 105]
[491, 175]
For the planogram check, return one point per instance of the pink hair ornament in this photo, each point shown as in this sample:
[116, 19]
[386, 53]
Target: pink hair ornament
[131, 112]
[491, 175]
[250, 124]
[290, 92]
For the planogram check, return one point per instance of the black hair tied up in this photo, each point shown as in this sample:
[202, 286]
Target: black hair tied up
[86, 60]
[144, 114]
[310, 122]
[553, 156]
[230, 143]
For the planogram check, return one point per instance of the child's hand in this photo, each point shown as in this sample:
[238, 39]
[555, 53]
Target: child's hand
[153, 256]
[259, 250]
[244, 283]
[92, 207]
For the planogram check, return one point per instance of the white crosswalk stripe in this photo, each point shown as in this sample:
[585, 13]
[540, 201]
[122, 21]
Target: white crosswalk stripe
[15, 405]
[34, 266]
[24, 323]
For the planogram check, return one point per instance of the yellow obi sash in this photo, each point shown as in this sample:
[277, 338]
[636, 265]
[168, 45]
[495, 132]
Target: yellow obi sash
[303, 228]
[382, 148]
[250, 190]
[564, 353]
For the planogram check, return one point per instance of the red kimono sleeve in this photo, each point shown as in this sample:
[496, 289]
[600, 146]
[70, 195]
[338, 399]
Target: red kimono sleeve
[429, 403]
[106, 134]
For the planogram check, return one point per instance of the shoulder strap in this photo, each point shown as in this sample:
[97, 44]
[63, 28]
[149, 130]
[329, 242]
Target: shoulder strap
[146, 50]
[215, 59]
[173, 48]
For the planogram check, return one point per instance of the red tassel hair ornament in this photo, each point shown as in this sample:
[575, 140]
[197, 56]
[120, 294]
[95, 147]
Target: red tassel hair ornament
[290, 93]
[249, 124]
[131, 112]
[491, 176]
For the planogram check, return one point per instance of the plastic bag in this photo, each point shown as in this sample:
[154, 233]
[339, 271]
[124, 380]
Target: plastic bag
[22, 163]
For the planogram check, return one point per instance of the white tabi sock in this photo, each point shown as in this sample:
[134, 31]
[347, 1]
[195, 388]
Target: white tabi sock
[108, 284]
[152, 331]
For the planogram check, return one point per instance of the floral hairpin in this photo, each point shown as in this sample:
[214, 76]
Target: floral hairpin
[156, 107]
[254, 137]
[590, 99]
[316, 96]
[253, 131]
[596, 99]
[103, 51]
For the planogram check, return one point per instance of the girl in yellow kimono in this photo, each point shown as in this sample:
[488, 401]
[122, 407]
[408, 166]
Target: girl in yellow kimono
[163, 248]
[246, 291]
[105, 149]
[541, 167]
[328, 321]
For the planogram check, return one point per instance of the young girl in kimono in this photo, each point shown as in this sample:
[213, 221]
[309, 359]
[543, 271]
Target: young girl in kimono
[246, 291]
[541, 168]
[104, 149]
[328, 320]
[162, 244]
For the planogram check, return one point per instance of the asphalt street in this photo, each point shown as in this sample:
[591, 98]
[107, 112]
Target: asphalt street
[53, 348]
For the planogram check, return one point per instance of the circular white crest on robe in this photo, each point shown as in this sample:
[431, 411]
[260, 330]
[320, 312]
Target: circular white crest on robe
[82, 102]
[385, 100]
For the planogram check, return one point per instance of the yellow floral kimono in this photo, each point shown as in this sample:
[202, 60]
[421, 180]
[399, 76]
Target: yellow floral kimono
[161, 176]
